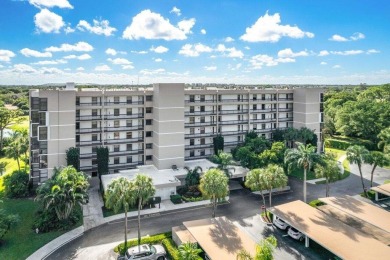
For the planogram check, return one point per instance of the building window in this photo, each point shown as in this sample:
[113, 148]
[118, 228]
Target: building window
[77, 138]
[94, 112]
[149, 157]
[254, 107]
[129, 135]
[202, 119]
[321, 97]
[239, 138]
[116, 135]
[262, 107]
[149, 146]
[274, 115]
[43, 104]
[129, 159]
[116, 100]
[116, 148]
[192, 109]
[202, 130]
[263, 135]
[262, 116]
[94, 124]
[77, 125]
[149, 98]
[94, 149]
[94, 101]
[202, 98]
[192, 120]
[129, 123]
[34, 103]
[254, 126]
[94, 161]
[262, 126]
[148, 121]
[35, 116]
[42, 133]
[148, 134]
[192, 141]
[192, 153]
[94, 137]
[238, 107]
[116, 160]
[192, 98]
[129, 111]
[202, 108]
[202, 153]
[202, 141]
[254, 116]
[129, 147]
[116, 112]
[129, 100]
[42, 118]
[149, 110]
[192, 131]
[116, 123]
[254, 96]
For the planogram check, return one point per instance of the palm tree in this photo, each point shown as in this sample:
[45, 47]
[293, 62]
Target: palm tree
[303, 156]
[256, 181]
[328, 169]
[193, 175]
[189, 251]
[3, 166]
[358, 154]
[143, 190]
[377, 158]
[120, 195]
[275, 178]
[214, 185]
[224, 160]
[264, 250]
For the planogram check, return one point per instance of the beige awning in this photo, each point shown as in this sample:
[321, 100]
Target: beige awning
[384, 189]
[339, 238]
[220, 238]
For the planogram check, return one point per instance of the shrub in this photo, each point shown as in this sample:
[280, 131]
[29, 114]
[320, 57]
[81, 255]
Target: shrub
[316, 203]
[192, 199]
[6, 222]
[182, 190]
[46, 220]
[16, 184]
[176, 199]
[342, 143]
[171, 248]
[155, 239]
[370, 195]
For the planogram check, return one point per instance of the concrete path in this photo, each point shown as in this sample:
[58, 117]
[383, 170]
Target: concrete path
[92, 212]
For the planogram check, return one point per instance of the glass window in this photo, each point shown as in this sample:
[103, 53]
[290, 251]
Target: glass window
[116, 135]
[34, 116]
[202, 152]
[94, 137]
[129, 147]
[116, 123]
[34, 103]
[94, 124]
[148, 121]
[192, 131]
[42, 133]
[254, 107]
[148, 157]
[129, 111]
[149, 98]
[129, 159]
[94, 149]
[42, 118]
[116, 100]
[192, 109]
[94, 100]
[148, 134]
[116, 112]
[192, 141]
[149, 110]
[202, 108]
[202, 141]
[149, 146]
[202, 98]
[43, 104]
[94, 112]
[129, 135]
[192, 120]
[129, 123]
[116, 148]
[116, 160]
[129, 99]
[202, 119]
[192, 98]
[192, 153]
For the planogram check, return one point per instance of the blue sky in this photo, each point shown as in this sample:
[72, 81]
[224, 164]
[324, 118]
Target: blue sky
[242, 42]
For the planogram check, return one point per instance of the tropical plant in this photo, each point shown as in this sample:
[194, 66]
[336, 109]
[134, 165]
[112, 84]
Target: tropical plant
[275, 178]
[218, 143]
[120, 195]
[214, 185]
[102, 155]
[143, 190]
[256, 181]
[303, 156]
[7, 221]
[264, 250]
[3, 166]
[275, 155]
[73, 157]
[327, 168]
[18, 146]
[6, 118]
[377, 158]
[16, 184]
[224, 160]
[358, 154]
[384, 137]
[189, 251]
[63, 191]
[193, 175]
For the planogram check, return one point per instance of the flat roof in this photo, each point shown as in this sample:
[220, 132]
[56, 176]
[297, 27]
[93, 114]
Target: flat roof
[384, 189]
[220, 238]
[183, 234]
[362, 210]
[339, 238]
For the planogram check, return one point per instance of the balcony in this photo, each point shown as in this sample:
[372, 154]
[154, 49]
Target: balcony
[125, 166]
[226, 133]
[188, 158]
[88, 117]
[284, 119]
[201, 101]
[88, 143]
[198, 146]
[232, 100]
[265, 120]
[111, 153]
[123, 140]
[233, 122]
[193, 124]
[286, 99]
[285, 109]
[100, 104]
[268, 110]
[230, 112]
[123, 116]
[88, 130]
[123, 128]
[200, 113]
[233, 143]
[197, 135]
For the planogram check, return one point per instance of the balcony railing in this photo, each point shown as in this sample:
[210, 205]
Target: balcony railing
[123, 140]
[193, 124]
[200, 113]
[265, 120]
[88, 143]
[188, 158]
[263, 110]
[233, 122]
[89, 104]
[196, 135]
[118, 153]
[124, 116]
[201, 101]
[286, 99]
[228, 112]
[198, 146]
[123, 128]
[285, 109]
[284, 119]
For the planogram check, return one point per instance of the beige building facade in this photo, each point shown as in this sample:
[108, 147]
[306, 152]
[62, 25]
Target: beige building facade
[163, 124]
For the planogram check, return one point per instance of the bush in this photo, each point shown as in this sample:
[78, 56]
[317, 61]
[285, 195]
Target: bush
[316, 203]
[342, 143]
[16, 184]
[192, 199]
[155, 239]
[171, 248]
[176, 199]
[182, 190]
[370, 194]
[46, 220]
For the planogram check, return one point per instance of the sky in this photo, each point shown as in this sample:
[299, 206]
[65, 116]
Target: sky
[231, 41]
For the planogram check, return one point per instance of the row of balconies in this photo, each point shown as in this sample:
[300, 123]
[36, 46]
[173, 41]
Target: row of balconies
[109, 129]
[233, 100]
[99, 104]
[237, 122]
[112, 153]
[113, 166]
[110, 141]
[109, 117]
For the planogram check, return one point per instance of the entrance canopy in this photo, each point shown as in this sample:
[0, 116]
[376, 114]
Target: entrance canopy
[384, 189]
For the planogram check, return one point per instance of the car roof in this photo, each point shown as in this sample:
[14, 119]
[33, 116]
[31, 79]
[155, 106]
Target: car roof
[134, 250]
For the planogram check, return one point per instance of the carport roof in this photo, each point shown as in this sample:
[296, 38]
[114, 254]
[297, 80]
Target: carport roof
[339, 238]
[361, 210]
[384, 189]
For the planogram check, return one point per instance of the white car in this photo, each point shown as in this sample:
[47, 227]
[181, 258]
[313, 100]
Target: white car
[146, 252]
[294, 233]
[280, 223]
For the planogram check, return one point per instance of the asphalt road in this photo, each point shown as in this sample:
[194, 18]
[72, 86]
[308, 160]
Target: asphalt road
[243, 206]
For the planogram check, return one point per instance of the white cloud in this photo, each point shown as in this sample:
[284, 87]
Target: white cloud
[23, 68]
[372, 51]
[268, 29]
[45, 70]
[119, 61]
[230, 52]
[323, 53]
[48, 22]
[33, 53]
[285, 60]
[323, 63]
[357, 36]
[80, 69]
[6, 55]
[80, 46]
[354, 37]
[338, 38]
[247, 48]
[238, 66]
[158, 60]
[139, 52]
[210, 68]
[261, 60]
[69, 29]
[127, 67]
[1, 66]
[195, 50]
[159, 49]
[80, 57]
[111, 51]
[152, 72]
[203, 31]
[176, 11]
[151, 25]
[336, 67]
[347, 53]
[99, 27]
[50, 62]
[229, 39]
[102, 68]
[288, 53]
[51, 3]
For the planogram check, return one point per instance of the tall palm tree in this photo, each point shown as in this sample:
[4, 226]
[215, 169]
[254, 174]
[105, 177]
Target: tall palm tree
[303, 156]
[193, 175]
[143, 190]
[224, 160]
[377, 158]
[275, 178]
[358, 154]
[264, 250]
[328, 169]
[120, 195]
[189, 251]
[256, 181]
[214, 185]
[16, 148]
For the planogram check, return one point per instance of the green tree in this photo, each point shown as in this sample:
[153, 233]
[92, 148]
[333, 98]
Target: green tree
[256, 180]
[327, 168]
[303, 156]
[358, 154]
[218, 143]
[120, 195]
[377, 158]
[214, 185]
[189, 251]
[275, 178]
[384, 140]
[143, 190]
[17, 147]
[305, 135]
[224, 160]
[193, 175]
[73, 157]
[275, 155]
[258, 144]
[6, 118]
[16, 184]
[264, 250]
[3, 166]
[102, 154]
[247, 157]
[63, 191]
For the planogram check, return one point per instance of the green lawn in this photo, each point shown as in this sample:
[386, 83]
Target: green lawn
[21, 241]
[12, 165]
[23, 123]
[298, 173]
[339, 153]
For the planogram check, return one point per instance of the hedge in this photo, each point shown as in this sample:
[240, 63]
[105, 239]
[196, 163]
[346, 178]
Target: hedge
[343, 144]
[171, 248]
[176, 199]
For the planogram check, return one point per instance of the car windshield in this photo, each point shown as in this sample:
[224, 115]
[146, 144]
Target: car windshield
[281, 220]
[293, 229]
[153, 249]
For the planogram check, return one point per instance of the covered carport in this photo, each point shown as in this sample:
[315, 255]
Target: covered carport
[337, 237]
[382, 191]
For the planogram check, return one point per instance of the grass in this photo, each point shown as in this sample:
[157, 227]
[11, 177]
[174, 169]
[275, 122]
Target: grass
[23, 122]
[347, 169]
[12, 165]
[21, 241]
[298, 173]
[337, 152]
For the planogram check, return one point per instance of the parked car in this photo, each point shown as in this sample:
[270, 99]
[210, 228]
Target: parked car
[296, 234]
[280, 223]
[146, 252]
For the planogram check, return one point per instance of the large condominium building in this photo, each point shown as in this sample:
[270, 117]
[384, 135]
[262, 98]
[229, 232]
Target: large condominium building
[163, 124]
